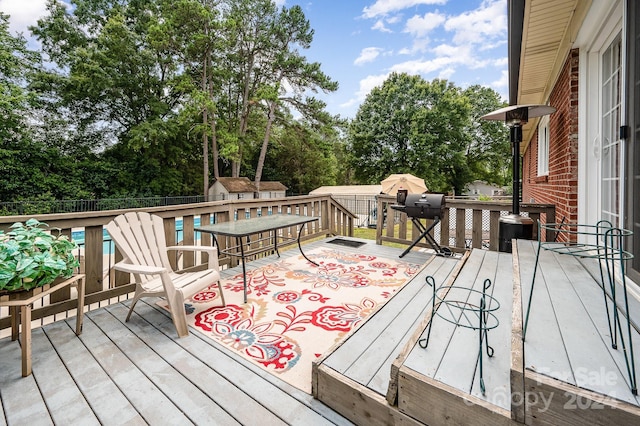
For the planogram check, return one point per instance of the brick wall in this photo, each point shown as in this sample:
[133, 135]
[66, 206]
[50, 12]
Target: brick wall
[560, 187]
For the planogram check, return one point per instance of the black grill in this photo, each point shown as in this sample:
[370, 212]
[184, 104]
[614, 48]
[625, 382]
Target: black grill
[422, 206]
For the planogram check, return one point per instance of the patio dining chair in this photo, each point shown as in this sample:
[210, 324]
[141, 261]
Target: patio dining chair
[140, 238]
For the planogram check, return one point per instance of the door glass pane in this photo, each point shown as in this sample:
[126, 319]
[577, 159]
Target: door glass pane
[610, 171]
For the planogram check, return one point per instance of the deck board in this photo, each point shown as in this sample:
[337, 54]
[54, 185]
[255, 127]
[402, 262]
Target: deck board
[543, 331]
[612, 368]
[64, 400]
[427, 361]
[252, 382]
[144, 397]
[140, 372]
[18, 409]
[107, 401]
[458, 365]
[380, 380]
[193, 402]
[578, 308]
[367, 355]
[217, 391]
[452, 355]
[496, 369]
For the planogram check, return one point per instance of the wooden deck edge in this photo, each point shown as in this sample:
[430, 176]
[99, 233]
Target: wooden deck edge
[392, 390]
[435, 403]
[516, 374]
[357, 403]
[553, 402]
[318, 361]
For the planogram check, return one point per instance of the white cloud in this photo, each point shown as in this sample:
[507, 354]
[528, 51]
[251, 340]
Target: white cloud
[501, 62]
[420, 45]
[421, 26]
[384, 7]
[462, 55]
[503, 81]
[477, 26]
[23, 13]
[368, 54]
[421, 67]
[446, 73]
[379, 26]
[366, 85]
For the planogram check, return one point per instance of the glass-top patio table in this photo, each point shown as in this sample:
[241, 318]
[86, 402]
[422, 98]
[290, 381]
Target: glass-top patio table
[242, 230]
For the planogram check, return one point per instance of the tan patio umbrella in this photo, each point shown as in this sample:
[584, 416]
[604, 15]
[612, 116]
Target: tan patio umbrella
[413, 184]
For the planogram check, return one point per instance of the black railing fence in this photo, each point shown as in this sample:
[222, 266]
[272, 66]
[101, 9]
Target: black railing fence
[76, 206]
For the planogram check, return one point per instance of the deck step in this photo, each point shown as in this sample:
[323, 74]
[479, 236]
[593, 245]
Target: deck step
[354, 378]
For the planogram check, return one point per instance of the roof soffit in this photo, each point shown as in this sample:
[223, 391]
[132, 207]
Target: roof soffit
[550, 27]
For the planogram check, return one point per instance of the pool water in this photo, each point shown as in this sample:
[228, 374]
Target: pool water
[108, 246]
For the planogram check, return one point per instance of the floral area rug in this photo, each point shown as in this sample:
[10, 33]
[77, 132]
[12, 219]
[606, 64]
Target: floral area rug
[296, 311]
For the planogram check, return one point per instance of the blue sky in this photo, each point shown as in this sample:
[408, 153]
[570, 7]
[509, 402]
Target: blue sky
[360, 42]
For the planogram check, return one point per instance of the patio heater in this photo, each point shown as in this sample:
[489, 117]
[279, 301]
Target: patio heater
[515, 116]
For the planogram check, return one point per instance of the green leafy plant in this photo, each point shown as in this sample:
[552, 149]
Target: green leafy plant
[31, 256]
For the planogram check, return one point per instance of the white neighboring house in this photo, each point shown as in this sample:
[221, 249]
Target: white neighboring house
[479, 187]
[229, 188]
[348, 191]
[272, 190]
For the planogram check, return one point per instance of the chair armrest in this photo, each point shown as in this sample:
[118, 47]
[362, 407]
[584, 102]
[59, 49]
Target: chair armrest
[139, 269]
[194, 248]
[210, 250]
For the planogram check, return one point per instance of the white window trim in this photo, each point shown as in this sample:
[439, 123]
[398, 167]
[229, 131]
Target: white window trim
[543, 146]
[599, 29]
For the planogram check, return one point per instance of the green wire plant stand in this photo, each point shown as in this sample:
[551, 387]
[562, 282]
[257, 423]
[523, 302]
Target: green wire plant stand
[464, 313]
[605, 244]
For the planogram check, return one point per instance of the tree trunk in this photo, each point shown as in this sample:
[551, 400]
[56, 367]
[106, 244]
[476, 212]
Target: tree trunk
[214, 138]
[265, 144]
[244, 116]
[205, 139]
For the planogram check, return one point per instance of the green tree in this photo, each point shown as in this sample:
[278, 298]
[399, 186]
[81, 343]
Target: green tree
[488, 150]
[269, 76]
[16, 64]
[193, 32]
[409, 125]
[302, 158]
[114, 84]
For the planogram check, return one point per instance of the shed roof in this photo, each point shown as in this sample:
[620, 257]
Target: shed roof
[272, 186]
[235, 185]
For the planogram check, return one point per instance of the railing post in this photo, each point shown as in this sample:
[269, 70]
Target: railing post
[93, 258]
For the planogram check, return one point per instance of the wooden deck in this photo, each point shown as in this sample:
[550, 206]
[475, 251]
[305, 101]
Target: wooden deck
[571, 372]
[397, 380]
[140, 372]
[566, 373]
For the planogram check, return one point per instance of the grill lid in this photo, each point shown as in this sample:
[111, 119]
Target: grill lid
[422, 206]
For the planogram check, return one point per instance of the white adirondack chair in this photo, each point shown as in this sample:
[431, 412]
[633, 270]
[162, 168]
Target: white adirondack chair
[141, 240]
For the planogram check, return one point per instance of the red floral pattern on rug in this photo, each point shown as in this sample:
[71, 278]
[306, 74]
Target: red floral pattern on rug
[296, 311]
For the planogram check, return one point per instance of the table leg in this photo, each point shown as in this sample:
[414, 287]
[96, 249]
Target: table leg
[80, 311]
[244, 271]
[25, 316]
[300, 246]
